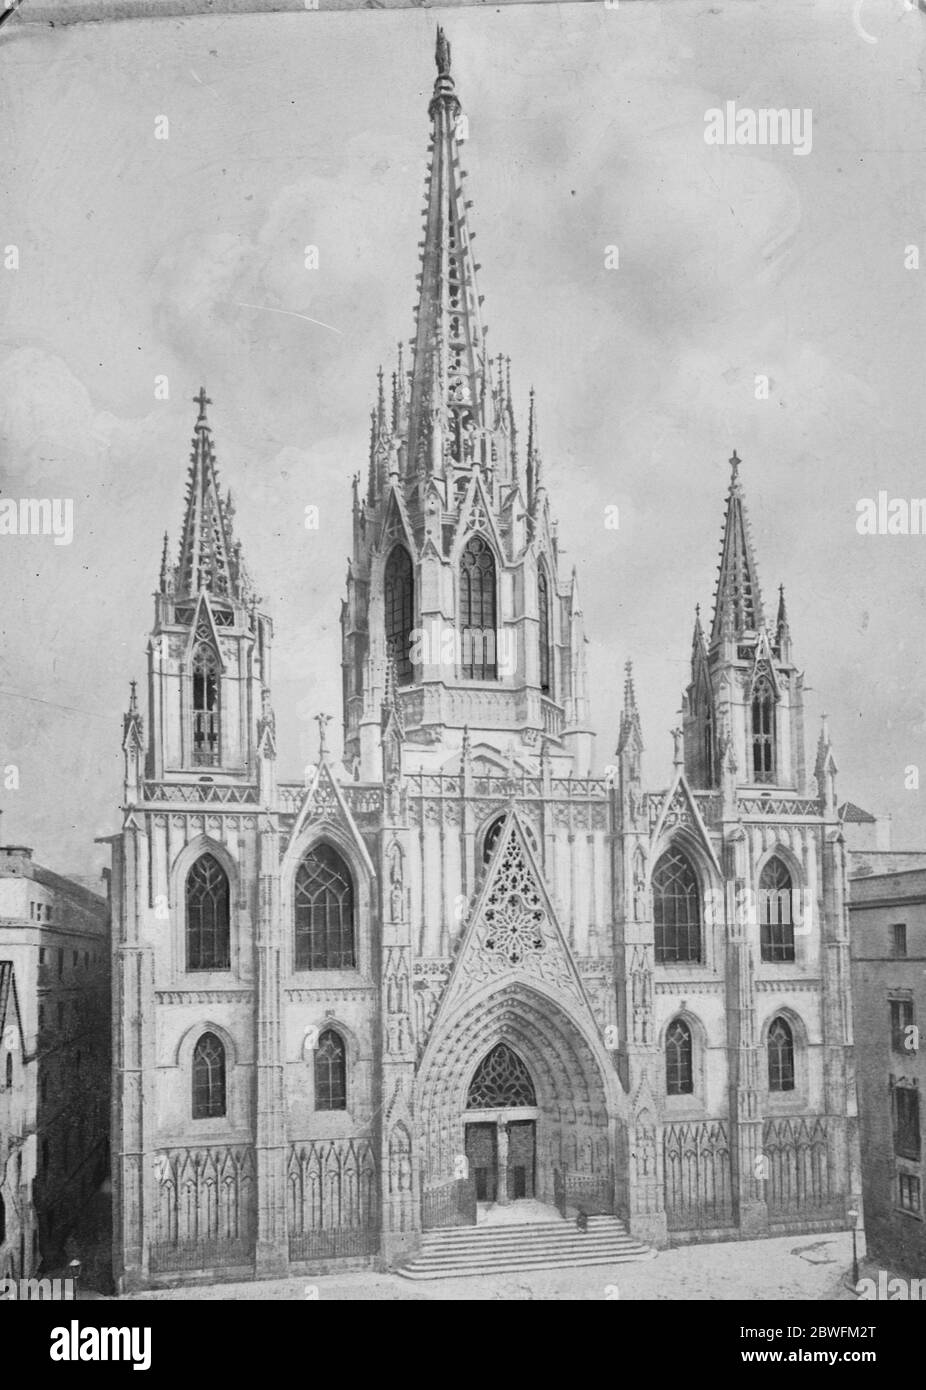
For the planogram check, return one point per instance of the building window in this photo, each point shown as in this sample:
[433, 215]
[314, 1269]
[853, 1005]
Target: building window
[9, 1070]
[909, 1185]
[676, 909]
[75, 957]
[205, 708]
[41, 955]
[324, 912]
[709, 747]
[780, 1057]
[208, 936]
[763, 731]
[543, 613]
[907, 1122]
[679, 1069]
[208, 1078]
[776, 921]
[330, 1072]
[41, 1017]
[902, 1041]
[899, 940]
[495, 830]
[477, 611]
[400, 613]
[60, 964]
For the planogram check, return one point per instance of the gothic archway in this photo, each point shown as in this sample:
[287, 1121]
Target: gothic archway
[575, 1101]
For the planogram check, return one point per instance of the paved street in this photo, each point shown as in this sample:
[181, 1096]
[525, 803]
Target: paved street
[795, 1267]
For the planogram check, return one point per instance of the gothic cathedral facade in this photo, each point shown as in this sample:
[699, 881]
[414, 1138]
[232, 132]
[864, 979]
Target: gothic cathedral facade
[454, 967]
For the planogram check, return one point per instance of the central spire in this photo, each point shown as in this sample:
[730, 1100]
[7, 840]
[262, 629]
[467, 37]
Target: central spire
[738, 602]
[449, 369]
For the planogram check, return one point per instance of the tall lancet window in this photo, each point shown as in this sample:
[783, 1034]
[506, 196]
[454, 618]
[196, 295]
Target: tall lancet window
[543, 614]
[676, 909]
[207, 916]
[708, 747]
[763, 730]
[205, 708]
[477, 611]
[399, 602]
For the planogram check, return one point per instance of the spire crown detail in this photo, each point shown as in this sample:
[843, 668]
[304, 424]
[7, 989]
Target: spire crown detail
[210, 557]
[737, 600]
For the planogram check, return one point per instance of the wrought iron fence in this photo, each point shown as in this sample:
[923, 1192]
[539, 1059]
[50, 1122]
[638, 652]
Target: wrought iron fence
[450, 1203]
[199, 1254]
[338, 1242]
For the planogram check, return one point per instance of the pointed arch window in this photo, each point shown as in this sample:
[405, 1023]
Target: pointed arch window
[543, 614]
[324, 912]
[501, 1082]
[780, 1056]
[206, 743]
[478, 611]
[330, 1072]
[776, 919]
[495, 830]
[207, 916]
[708, 747]
[208, 1078]
[399, 601]
[679, 1059]
[676, 909]
[763, 730]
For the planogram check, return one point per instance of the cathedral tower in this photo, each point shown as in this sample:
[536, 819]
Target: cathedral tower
[454, 578]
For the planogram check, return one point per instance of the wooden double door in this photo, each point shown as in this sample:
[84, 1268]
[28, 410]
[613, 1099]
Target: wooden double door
[503, 1167]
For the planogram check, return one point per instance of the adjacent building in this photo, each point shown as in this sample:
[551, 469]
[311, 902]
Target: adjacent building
[455, 968]
[54, 942]
[888, 916]
[19, 1236]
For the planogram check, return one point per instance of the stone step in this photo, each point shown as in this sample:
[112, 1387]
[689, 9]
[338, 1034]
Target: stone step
[468, 1251]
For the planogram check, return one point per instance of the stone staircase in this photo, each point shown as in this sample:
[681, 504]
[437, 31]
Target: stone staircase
[459, 1251]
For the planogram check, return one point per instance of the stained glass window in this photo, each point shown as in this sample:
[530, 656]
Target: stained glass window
[676, 909]
[399, 599]
[679, 1069]
[207, 917]
[501, 1082]
[477, 611]
[324, 927]
[330, 1072]
[780, 1057]
[776, 922]
[208, 1078]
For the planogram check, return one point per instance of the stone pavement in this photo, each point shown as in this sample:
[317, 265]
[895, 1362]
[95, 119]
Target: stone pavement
[800, 1268]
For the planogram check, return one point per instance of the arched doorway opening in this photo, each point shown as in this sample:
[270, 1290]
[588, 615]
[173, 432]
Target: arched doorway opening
[465, 1080]
[500, 1128]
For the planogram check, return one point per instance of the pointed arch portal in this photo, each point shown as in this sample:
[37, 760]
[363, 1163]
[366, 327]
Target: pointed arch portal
[513, 1084]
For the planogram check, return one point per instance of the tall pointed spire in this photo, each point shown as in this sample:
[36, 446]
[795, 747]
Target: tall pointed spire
[630, 728]
[737, 600]
[449, 365]
[209, 558]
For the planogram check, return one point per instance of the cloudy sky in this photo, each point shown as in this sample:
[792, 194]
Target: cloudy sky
[141, 258]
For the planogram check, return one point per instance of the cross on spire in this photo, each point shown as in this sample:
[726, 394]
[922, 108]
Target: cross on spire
[735, 462]
[202, 400]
